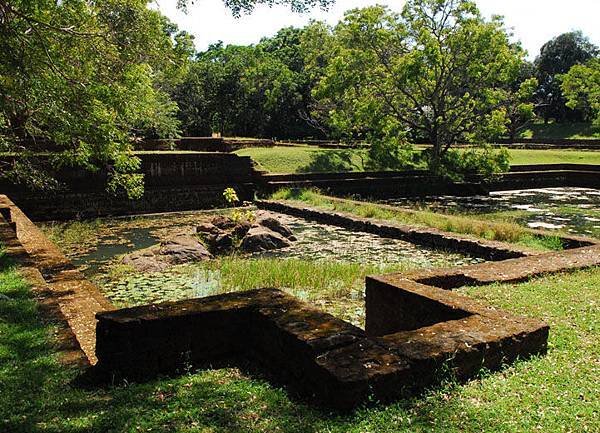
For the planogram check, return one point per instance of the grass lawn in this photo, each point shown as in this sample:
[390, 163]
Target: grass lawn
[303, 159]
[527, 156]
[556, 393]
[504, 230]
[312, 160]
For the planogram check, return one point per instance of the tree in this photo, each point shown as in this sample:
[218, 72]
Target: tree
[519, 105]
[259, 90]
[90, 78]
[247, 6]
[438, 71]
[581, 87]
[557, 57]
[85, 78]
[212, 96]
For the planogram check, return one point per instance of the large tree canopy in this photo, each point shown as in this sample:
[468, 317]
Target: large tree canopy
[581, 87]
[259, 90]
[89, 77]
[86, 77]
[437, 72]
[557, 57]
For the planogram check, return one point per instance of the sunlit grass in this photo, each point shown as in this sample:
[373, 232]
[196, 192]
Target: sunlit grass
[309, 159]
[72, 233]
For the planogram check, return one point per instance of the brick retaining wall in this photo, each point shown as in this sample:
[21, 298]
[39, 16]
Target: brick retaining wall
[174, 181]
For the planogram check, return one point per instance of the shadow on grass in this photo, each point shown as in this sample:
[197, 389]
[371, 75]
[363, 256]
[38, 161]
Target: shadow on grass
[563, 131]
[328, 161]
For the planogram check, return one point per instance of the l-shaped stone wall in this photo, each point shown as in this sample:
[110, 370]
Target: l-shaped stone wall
[417, 331]
[71, 299]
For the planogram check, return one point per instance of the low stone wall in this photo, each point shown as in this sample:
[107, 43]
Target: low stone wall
[552, 143]
[388, 308]
[419, 183]
[177, 181]
[60, 288]
[415, 333]
[376, 185]
[204, 144]
[174, 181]
[431, 238]
[321, 357]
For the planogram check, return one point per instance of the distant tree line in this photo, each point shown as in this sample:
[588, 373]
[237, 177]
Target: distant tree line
[267, 89]
[262, 90]
[437, 72]
[94, 77]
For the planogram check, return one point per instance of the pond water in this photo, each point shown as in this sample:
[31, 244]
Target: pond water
[326, 245]
[574, 210]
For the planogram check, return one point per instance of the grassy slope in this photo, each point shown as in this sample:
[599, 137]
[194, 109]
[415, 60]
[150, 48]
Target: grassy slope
[304, 159]
[525, 156]
[553, 393]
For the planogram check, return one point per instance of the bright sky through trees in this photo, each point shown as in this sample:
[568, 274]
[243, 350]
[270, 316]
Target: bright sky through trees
[534, 21]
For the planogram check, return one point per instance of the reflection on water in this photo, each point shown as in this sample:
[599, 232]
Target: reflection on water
[314, 242]
[110, 247]
[576, 210]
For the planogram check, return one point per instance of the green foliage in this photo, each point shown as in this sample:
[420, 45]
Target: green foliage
[557, 57]
[230, 196]
[86, 78]
[483, 160]
[560, 130]
[581, 87]
[259, 90]
[390, 78]
[519, 103]
[237, 215]
[238, 7]
[89, 78]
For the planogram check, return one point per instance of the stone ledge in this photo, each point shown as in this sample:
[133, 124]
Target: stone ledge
[74, 299]
[433, 238]
[324, 358]
[506, 271]
[67, 343]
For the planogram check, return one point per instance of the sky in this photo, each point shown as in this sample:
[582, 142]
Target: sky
[533, 22]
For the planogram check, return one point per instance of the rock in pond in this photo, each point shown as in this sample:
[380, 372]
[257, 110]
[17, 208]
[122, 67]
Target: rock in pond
[175, 251]
[266, 220]
[261, 238]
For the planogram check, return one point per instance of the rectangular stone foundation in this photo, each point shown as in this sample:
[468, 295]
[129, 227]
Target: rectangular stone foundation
[324, 358]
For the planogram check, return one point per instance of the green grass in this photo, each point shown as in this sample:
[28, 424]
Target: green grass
[561, 131]
[503, 231]
[306, 159]
[336, 279]
[555, 393]
[72, 233]
[303, 159]
[336, 287]
[528, 156]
